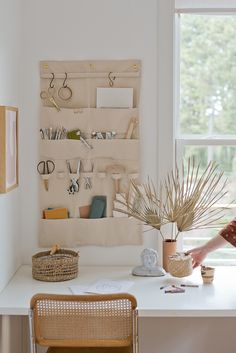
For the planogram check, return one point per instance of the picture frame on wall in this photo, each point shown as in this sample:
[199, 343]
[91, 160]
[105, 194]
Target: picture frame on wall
[8, 148]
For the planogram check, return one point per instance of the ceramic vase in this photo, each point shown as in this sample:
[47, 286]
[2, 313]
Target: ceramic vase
[168, 248]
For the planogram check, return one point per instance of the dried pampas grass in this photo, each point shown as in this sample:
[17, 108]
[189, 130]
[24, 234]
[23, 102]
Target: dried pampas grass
[186, 198]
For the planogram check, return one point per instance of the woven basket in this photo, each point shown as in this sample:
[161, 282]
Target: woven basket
[61, 266]
[180, 265]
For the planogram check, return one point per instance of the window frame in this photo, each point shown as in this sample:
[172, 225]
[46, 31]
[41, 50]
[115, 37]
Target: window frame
[182, 140]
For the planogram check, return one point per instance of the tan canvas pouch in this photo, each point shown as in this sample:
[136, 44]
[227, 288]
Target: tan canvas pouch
[102, 232]
[89, 120]
[80, 113]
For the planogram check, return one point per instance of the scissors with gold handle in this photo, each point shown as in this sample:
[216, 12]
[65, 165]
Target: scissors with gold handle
[49, 97]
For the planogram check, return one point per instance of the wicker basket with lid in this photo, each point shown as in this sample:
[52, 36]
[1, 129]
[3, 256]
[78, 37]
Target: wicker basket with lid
[55, 265]
[180, 265]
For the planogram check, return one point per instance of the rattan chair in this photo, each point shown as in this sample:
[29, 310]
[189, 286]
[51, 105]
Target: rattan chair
[84, 323]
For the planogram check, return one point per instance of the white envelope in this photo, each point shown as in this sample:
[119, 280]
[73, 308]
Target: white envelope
[114, 97]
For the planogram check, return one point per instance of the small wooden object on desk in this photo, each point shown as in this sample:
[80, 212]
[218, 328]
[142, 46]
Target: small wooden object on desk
[54, 249]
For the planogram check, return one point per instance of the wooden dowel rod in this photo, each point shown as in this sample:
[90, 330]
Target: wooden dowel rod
[90, 74]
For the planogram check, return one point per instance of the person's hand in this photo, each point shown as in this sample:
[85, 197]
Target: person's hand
[198, 255]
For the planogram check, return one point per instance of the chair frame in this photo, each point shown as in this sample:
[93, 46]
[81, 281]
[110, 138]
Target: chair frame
[86, 298]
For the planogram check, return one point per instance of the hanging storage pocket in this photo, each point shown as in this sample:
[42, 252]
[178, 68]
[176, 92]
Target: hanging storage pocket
[108, 157]
[103, 232]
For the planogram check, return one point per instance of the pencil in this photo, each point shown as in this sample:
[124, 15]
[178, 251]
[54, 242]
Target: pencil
[189, 285]
[169, 285]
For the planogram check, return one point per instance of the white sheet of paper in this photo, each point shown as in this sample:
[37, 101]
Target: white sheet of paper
[114, 97]
[106, 286]
[103, 286]
[79, 289]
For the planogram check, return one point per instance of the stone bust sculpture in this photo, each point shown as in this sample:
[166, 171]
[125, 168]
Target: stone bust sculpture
[149, 258]
[149, 267]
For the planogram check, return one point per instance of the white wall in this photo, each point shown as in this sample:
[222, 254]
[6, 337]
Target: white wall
[86, 29]
[10, 27]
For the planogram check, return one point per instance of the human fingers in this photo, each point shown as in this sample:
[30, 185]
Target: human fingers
[192, 251]
[196, 264]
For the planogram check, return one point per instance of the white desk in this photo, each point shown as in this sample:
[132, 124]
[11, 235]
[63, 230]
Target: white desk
[214, 300]
[201, 320]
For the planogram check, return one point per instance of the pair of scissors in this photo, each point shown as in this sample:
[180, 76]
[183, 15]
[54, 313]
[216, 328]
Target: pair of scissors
[45, 168]
[74, 178]
[87, 183]
[46, 95]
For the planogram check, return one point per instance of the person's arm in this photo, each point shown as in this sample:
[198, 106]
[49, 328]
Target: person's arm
[227, 234]
[198, 254]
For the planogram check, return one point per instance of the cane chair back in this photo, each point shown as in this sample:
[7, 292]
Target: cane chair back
[84, 320]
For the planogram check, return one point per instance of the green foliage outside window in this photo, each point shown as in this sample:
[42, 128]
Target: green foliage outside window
[208, 75]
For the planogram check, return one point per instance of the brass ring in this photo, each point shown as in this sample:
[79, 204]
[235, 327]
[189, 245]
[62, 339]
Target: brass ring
[65, 93]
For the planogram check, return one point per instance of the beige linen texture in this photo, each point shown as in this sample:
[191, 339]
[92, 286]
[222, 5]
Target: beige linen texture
[80, 112]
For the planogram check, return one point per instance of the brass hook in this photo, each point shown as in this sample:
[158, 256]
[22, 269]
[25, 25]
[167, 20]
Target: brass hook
[65, 92]
[50, 84]
[65, 85]
[111, 79]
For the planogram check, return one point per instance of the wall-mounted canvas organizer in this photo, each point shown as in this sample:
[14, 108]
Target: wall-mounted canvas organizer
[90, 137]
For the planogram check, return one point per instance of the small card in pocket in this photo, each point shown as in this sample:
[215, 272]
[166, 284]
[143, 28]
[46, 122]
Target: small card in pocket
[114, 97]
[84, 211]
[98, 207]
[55, 213]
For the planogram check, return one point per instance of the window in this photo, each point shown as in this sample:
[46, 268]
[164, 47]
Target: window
[206, 108]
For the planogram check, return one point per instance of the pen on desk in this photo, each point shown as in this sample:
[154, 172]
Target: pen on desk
[175, 289]
[169, 285]
[189, 285]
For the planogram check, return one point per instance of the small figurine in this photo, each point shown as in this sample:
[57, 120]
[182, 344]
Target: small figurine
[149, 268]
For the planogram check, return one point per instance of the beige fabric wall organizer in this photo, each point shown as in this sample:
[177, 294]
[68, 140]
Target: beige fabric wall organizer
[68, 104]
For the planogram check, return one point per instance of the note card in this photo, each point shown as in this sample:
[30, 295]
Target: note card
[114, 97]
[103, 286]
[79, 289]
